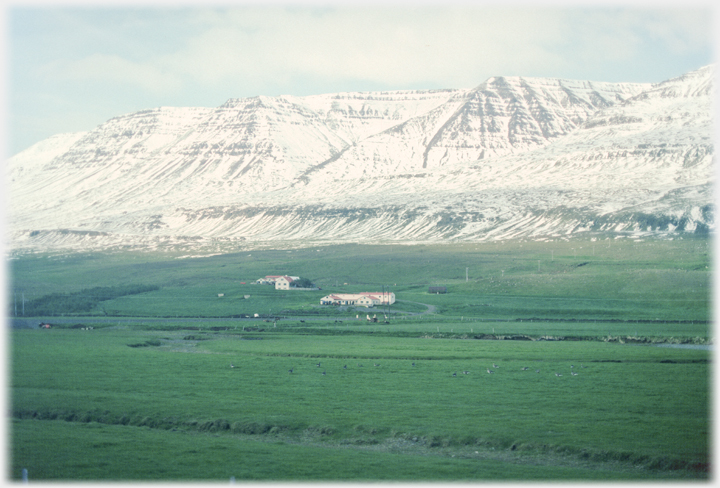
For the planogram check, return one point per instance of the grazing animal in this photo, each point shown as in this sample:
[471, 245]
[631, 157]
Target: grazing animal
[318, 365]
[345, 366]
[232, 365]
[290, 370]
[466, 372]
[537, 370]
[489, 371]
[525, 368]
[413, 365]
[558, 374]
[571, 366]
[376, 364]
[323, 373]
[454, 375]
[573, 373]
[495, 365]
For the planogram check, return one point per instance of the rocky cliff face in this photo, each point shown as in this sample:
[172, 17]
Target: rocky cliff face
[513, 157]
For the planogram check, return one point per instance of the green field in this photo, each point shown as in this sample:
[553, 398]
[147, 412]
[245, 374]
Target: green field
[149, 393]
[596, 280]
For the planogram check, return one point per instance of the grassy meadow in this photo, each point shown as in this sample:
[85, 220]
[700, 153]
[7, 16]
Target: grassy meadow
[171, 384]
[597, 280]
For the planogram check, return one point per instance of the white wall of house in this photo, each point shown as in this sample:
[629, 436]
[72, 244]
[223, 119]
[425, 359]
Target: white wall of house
[283, 283]
[280, 282]
[345, 299]
[366, 299]
[380, 298]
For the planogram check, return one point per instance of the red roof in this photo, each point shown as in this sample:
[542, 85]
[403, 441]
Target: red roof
[376, 295]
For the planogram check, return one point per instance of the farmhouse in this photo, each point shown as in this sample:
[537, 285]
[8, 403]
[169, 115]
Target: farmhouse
[283, 282]
[280, 282]
[346, 299]
[364, 299]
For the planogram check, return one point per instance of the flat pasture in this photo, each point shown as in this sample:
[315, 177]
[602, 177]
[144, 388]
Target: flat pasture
[637, 410]
[556, 360]
[190, 457]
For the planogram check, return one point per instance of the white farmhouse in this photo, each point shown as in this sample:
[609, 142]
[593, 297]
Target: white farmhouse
[364, 299]
[280, 282]
[380, 298]
[283, 282]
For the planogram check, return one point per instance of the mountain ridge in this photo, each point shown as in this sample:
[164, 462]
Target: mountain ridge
[513, 157]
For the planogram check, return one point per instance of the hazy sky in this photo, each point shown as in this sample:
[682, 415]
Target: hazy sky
[70, 69]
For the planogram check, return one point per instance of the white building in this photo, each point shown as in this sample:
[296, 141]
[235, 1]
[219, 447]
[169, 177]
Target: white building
[364, 299]
[380, 298]
[280, 282]
[283, 282]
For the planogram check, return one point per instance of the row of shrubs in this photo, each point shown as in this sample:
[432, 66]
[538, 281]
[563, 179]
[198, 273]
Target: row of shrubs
[370, 434]
[166, 423]
[612, 321]
[605, 338]
[151, 342]
[661, 463]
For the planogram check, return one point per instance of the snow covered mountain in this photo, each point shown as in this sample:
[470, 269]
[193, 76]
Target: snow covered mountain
[512, 158]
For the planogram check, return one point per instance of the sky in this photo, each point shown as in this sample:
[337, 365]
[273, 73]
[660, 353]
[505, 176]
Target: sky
[71, 67]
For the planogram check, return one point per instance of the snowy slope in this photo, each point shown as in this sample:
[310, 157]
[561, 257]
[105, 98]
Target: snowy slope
[513, 157]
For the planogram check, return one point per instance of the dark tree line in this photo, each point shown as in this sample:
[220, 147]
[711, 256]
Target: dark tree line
[82, 301]
[302, 283]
